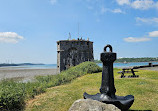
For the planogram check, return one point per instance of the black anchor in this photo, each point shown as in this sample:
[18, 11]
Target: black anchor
[107, 90]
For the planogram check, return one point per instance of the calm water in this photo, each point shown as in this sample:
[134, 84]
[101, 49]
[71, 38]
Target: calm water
[45, 66]
[53, 66]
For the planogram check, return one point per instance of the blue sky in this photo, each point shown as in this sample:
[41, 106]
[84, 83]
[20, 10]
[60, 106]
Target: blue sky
[29, 29]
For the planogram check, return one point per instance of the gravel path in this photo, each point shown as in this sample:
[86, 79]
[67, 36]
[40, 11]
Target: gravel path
[24, 74]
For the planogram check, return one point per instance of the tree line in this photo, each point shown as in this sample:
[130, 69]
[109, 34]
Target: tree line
[143, 59]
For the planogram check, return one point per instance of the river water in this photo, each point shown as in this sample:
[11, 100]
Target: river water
[54, 66]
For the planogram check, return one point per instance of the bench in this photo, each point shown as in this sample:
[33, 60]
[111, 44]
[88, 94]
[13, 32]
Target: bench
[128, 70]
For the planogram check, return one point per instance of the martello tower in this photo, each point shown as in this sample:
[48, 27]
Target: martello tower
[73, 52]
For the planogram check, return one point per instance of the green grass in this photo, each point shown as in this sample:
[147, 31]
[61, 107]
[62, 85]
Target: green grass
[60, 98]
[14, 94]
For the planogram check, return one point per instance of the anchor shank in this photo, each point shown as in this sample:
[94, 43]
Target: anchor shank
[107, 85]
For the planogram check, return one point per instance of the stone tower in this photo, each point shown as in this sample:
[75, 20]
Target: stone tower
[73, 52]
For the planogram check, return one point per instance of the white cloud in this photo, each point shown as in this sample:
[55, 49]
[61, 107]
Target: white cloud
[153, 34]
[143, 4]
[142, 39]
[98, 7]
[53, 2]
[104, 10]
[123, 2]
[117, 11]
[147, 20]
[139, 4]
[133, 39]
[10, 37]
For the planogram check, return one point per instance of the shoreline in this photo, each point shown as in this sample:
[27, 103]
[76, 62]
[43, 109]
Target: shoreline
[150, 68]
[24, 74]
[27, 74]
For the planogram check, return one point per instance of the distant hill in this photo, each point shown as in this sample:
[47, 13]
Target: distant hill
[143, 59]
[21, 64]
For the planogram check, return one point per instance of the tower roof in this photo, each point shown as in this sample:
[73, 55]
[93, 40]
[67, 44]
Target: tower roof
[74, 40]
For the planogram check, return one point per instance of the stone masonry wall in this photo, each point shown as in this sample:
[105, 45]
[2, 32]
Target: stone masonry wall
[73, 52]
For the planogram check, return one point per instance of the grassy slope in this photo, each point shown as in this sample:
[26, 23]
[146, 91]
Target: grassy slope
[13, 94]
[60, 98]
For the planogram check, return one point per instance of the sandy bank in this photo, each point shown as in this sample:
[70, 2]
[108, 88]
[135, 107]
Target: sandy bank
[26, 74]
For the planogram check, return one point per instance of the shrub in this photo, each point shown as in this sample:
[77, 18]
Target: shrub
[70, 74]
[12, 95]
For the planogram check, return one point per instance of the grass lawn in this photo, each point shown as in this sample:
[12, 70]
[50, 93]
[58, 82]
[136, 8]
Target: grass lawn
[60, 98]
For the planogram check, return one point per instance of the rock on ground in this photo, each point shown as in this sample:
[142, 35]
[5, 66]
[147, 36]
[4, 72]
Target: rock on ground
[92, 105]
